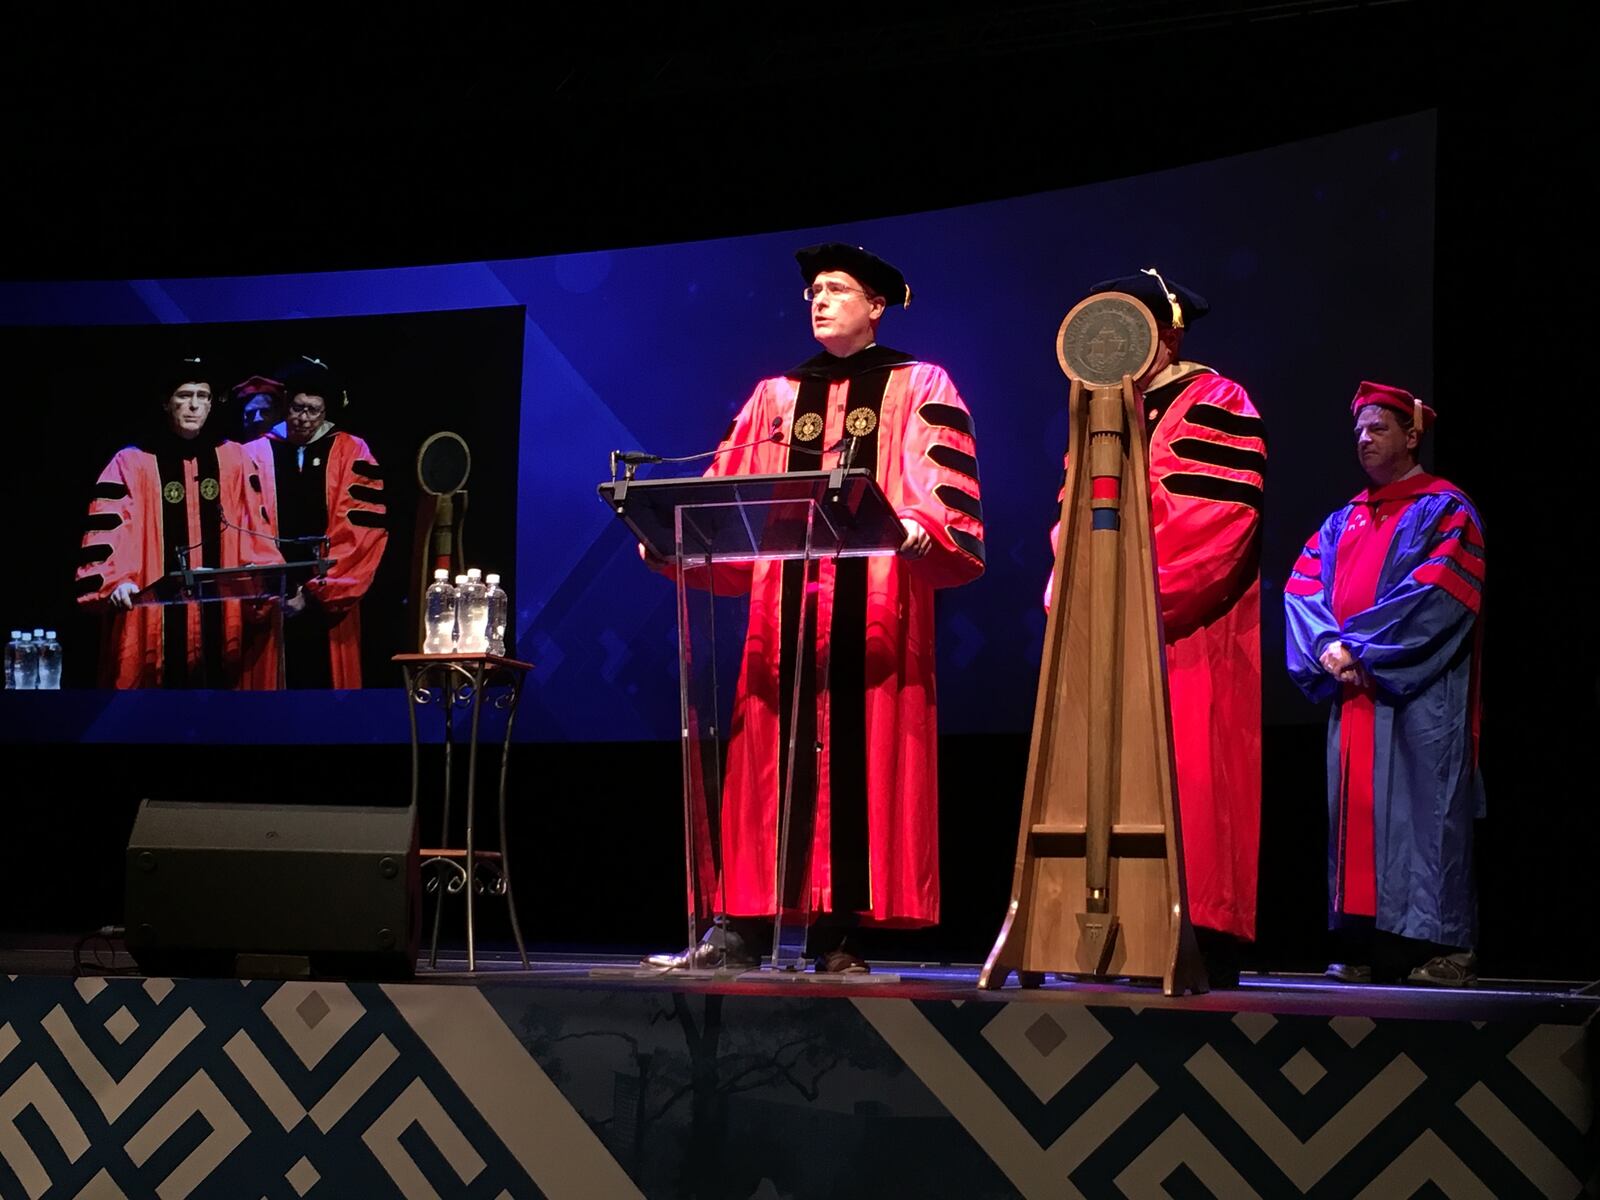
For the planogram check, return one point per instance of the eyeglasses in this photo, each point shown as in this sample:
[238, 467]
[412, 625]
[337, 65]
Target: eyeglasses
[832, 291]
[307, 410]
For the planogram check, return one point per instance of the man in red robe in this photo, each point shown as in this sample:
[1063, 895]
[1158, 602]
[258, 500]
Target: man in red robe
[322, 492]
[875, 853]
[1207, 462]
[177, 497]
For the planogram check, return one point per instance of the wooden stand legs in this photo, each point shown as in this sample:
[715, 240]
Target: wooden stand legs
[1098, 886]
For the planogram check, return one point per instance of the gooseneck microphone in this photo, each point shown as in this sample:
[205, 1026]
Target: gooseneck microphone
[631, 460]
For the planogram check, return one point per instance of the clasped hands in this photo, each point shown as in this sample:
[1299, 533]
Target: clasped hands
[1337, 661]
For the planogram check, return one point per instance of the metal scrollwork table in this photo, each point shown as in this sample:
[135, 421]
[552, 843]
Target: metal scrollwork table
[465, 682]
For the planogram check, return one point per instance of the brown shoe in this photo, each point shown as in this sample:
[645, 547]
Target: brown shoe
[1447, 970]
[841, 962]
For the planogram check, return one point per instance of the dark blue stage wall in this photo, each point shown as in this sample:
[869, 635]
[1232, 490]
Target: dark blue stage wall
[1317, 258]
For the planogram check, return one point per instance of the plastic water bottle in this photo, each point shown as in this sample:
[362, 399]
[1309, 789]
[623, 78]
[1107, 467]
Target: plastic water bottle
[27, 663]
[499, 609]
[11, 659]
[472, 614]
[441, 608]
[50, 663]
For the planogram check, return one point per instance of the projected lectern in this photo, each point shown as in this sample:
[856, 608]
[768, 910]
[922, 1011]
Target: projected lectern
[265, 583]
[709, 531]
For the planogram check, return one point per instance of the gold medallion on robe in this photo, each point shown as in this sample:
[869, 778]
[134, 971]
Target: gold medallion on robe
[210, 489]
[172, 492]
[861, 422]
[808, 427]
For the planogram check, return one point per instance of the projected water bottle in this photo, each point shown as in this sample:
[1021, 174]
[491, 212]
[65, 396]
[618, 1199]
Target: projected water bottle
[455, 635]
[50, 663]
[27, 663]
[499, 608]
[11, 659]
[472, 615]
[441, 607]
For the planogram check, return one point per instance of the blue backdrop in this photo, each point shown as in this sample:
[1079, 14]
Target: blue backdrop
[1317, 258]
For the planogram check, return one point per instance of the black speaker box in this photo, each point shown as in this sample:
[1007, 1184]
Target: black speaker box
[274, 890]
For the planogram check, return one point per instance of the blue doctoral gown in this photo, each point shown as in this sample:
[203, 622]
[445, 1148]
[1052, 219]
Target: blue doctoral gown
[1419, 642]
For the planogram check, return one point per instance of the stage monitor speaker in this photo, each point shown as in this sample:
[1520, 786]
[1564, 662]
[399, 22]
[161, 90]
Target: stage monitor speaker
[273, 890]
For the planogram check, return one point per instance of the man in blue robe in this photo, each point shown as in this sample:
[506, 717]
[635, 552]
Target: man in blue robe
[1383, 618]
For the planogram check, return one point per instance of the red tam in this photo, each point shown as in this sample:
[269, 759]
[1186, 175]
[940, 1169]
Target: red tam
[1416, 414]
[258, 385]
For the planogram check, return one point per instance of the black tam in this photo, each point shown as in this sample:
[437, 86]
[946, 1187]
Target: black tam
[877, 275]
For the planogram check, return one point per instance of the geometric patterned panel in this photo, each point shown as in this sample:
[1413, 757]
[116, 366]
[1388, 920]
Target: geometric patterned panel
[1065, 1098]
[129, 1088]
[122, 1088]
[1160, 1101]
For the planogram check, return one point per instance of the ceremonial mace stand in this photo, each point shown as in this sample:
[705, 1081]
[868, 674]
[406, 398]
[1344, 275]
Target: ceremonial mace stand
[1098, 888]
[457, 681]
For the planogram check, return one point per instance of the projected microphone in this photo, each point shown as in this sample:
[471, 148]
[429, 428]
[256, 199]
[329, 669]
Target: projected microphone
[321, 540]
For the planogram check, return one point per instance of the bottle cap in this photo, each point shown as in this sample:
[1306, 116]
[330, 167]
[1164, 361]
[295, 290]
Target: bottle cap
[16, 633]
[50, 635]
[26, 636]
[442, 575]
[38, 633]
[492, 578]
[474, 573]
[460, 579]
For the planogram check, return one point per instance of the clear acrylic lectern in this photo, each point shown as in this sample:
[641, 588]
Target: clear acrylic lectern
[711, 530]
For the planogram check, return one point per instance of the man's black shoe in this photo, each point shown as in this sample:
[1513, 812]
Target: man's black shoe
[721, 949]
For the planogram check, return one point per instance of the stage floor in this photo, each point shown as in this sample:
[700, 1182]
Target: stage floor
[1544, 1001]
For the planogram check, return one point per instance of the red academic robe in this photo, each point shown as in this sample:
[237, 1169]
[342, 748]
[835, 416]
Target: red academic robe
[1207, 459]
[356, 538]
[875, 851]
[147, 504]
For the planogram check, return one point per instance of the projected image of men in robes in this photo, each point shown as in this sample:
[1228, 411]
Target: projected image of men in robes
[179, 496]
[261, 406]
[322, 493]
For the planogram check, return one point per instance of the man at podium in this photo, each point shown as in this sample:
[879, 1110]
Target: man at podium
[1382, 618]
[875, 854]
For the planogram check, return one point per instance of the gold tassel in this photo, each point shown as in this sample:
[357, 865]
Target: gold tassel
[1172, 297]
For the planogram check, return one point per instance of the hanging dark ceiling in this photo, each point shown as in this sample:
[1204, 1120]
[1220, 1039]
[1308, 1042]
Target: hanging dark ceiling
[140, 145]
